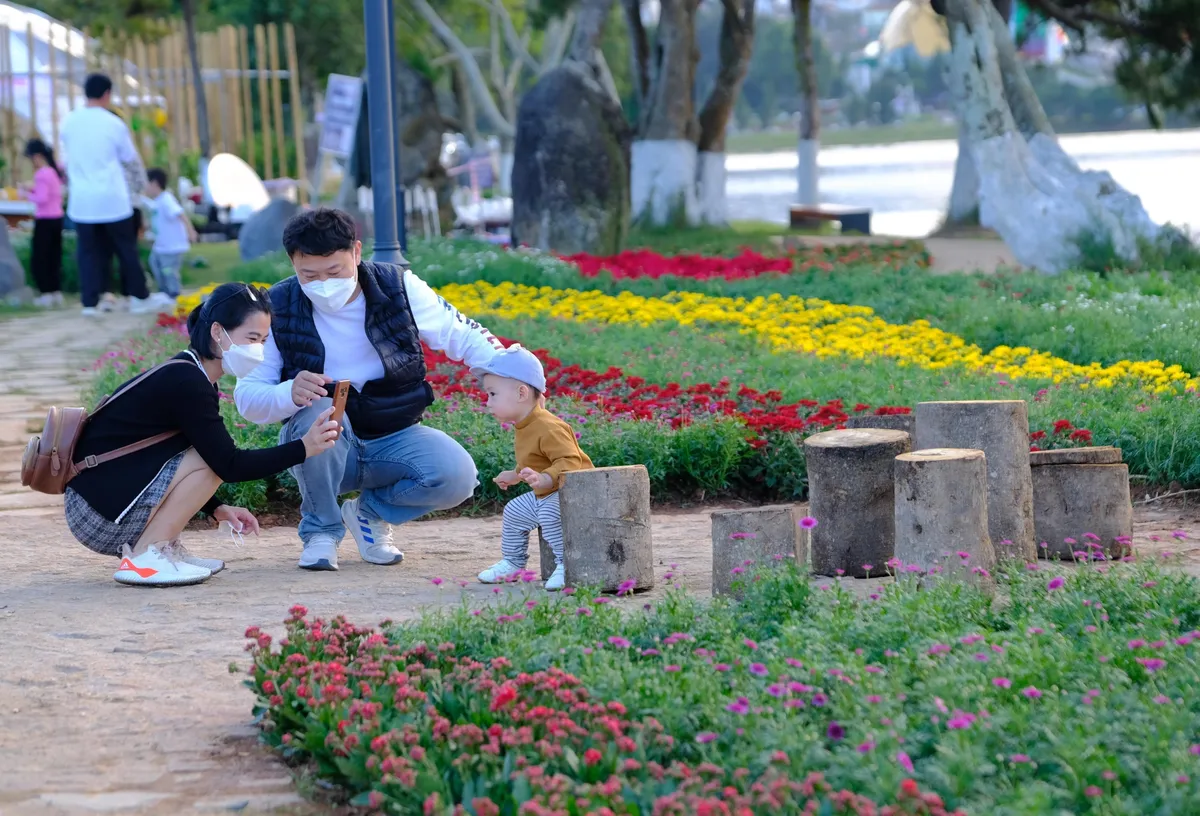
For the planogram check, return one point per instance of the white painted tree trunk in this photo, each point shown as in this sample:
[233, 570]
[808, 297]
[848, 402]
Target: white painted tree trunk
[506, 166]
[808, 173]
[710, 189]
[1030, 192]
[964, 194]
[663, 181]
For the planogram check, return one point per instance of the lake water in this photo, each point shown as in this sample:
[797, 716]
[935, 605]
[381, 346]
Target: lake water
[907, 185]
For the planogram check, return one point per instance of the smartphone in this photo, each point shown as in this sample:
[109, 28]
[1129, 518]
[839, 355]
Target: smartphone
[341, 392]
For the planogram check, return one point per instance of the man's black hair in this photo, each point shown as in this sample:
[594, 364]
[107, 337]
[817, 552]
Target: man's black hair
[158, 176]
[96, 86]
[321, 231]
[230, 304]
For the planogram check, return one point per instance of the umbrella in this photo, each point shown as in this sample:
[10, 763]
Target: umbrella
[915, 23]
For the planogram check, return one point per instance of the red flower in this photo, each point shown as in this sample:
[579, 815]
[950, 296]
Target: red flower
[1036, 435]
[1061, 425]
[504, 695]
[591, 756]
[1081, 435]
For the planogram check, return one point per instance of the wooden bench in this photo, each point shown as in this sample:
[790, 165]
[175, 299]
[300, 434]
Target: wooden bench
[852, 219]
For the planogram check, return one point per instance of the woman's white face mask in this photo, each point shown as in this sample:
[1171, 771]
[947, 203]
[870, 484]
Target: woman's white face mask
[331, 294]
[240, 359]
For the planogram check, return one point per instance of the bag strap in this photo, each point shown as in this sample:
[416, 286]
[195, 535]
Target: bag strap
[92, 461]
[89, 462]
[104, 403]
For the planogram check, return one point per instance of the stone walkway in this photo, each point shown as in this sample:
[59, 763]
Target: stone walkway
[119, 700]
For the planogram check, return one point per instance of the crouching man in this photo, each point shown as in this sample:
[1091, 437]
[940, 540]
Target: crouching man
[343, 318]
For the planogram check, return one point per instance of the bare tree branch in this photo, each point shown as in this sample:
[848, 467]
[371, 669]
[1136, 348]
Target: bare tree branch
[512, 39]
[475, 79]
[1079, 18]
[554, 45]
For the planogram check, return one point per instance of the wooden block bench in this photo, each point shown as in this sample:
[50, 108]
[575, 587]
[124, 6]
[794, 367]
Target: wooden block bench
[852, 219]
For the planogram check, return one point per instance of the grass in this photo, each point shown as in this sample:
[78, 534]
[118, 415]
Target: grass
[923, 129]
[218, 262]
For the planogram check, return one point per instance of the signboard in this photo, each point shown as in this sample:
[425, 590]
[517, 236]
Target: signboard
[343, 97]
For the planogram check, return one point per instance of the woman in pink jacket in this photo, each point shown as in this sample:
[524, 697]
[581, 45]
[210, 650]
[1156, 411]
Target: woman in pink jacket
[47, 198]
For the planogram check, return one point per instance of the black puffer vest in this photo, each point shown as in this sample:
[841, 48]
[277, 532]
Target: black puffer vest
[383, 406]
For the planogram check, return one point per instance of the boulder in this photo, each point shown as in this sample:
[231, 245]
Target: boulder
[262, 233]
[12, 274]
[570, 178]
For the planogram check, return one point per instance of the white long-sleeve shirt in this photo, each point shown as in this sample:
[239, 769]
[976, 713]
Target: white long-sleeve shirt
[263, 399]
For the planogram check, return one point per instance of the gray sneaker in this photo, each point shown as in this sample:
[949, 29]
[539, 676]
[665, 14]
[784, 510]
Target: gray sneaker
[320, 554]
[178, 552]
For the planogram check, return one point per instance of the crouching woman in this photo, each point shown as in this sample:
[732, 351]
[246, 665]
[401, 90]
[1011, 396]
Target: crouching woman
[136, 506]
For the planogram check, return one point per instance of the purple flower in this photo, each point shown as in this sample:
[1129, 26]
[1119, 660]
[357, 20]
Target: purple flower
[1031, 692]
[758, 669]
[808, 522]
[626, 586]
[619, 642]
[739, 706]
[1152, 664]
[1056, 583]
[776, 690]
[705, 737]
[905, 761]
[835, 731]
[1001, 682]
[750, 644]
[671, 668]
[1019, 759]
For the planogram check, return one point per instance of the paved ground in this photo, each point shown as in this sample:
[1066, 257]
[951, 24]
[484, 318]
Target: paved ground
[118, 700]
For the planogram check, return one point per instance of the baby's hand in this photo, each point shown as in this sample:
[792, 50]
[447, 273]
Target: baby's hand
[538, 481]
[507, 479]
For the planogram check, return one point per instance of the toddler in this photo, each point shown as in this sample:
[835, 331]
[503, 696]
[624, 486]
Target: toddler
[545, 449]
[173, 232]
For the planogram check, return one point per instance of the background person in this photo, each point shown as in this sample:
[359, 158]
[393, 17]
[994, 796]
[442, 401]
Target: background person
[46, 195]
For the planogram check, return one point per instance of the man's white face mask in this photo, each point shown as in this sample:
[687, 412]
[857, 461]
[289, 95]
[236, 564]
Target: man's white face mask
[331, 294]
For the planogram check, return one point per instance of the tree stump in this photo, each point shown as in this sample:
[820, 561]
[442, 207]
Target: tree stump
[999, 428]
[606, 528]
[1081, 494]
[851, 487]
[758, 535]
[941, 515]
[890, 422]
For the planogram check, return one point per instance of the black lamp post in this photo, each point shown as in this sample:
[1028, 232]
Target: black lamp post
[386, 189]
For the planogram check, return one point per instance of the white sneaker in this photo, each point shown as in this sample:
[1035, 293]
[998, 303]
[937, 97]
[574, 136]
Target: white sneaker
[108, 302]
[373, 536]
[163, 303]
[176, 550]
[44, 301]
[156, 568]
[56, 300]
[144, 305]
[320, 554]
[556, 580]
[499, 572]
[89, 311]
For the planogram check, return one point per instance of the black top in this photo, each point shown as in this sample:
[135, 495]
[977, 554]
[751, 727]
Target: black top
[177, 397]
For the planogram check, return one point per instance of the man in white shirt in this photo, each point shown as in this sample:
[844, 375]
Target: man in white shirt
[343, 318]
[98, 148]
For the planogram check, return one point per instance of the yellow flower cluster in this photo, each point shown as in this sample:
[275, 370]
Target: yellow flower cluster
[185, 303]
[809, 325]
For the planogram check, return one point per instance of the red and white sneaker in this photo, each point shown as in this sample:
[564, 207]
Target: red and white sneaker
[156, 568]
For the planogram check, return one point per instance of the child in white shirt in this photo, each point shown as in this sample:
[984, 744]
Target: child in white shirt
[173, 232]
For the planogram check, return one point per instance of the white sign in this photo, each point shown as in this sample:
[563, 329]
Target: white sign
[343, 98]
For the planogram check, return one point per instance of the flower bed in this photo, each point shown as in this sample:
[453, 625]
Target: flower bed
[644, 263]
[1075, 697]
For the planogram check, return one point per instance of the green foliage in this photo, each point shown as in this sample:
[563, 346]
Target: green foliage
[1072, 695]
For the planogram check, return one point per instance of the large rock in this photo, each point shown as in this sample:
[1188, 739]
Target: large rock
[12, 274]
[570, 178]
[262, 233]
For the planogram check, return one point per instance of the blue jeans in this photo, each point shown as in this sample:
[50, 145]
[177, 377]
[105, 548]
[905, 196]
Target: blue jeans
[402, 476]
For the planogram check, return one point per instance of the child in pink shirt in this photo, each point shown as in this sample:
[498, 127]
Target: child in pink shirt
[46, 195]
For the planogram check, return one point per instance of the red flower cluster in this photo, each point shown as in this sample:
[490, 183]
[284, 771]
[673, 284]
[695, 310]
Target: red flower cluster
[1062, 435]
[619, 395]
[420, 730]
[643, 263]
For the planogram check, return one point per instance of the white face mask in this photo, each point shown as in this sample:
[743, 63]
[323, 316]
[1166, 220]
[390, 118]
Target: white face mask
[239, 360]
[332, 294]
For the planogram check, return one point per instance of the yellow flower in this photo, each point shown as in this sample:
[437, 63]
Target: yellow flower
[160, 118]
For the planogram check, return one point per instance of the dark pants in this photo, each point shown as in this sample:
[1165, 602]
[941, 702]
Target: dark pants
[97, 245]
[47, 254]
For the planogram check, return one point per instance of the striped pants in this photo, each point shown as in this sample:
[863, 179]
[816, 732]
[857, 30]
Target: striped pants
[523, 515]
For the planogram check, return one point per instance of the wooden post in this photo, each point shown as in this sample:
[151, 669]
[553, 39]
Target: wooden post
[8, 99]
[232, 84]
[175, 102]
[277, 98]
[84, 62]
[155, 69]
[33, 120]
[264, 98]
[145, 104]
[53, 68]
[297, 112]
[116, 70]
[247, 93]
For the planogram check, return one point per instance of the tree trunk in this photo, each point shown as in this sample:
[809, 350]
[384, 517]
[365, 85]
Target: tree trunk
[736, 45]
[1030, 191]
[639, 53]
[664, 156]
[590, 17]
[466, 105]
[189, 24]
[807, 172]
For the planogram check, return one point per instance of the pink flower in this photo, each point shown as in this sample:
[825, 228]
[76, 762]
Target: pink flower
[721, 667]
[1019, 759]
[905, 761]
[758, 669]
[866, 747]
[1001, 682]
[705, 737]
[1162, 699]
[1055, 583]
[626, 586]
[1152, 664]
[739, 706]
[750, 644]
[1092, 791]
[436, 581]
[963, 555]
[808, 522]
[619, 642]
[671, 668]
[1031, 692]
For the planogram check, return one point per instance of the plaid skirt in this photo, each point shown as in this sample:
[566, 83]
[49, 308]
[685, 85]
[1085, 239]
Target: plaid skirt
[105, 537]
